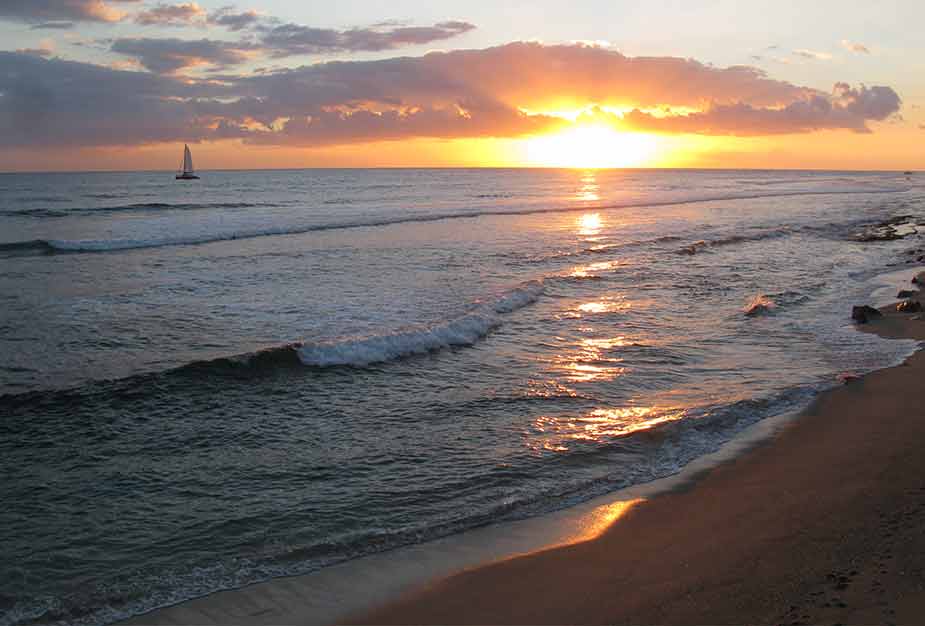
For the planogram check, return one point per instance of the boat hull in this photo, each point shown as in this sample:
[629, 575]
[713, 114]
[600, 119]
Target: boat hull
[187, 177]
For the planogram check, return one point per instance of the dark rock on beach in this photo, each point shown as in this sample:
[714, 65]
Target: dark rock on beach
[905, 293]
[863, 314]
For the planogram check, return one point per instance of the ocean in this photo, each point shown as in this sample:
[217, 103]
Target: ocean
[262, 373]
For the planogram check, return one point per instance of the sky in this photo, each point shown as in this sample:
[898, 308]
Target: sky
[123, 84]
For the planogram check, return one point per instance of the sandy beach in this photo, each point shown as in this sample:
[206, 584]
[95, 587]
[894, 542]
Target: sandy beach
[821, 524]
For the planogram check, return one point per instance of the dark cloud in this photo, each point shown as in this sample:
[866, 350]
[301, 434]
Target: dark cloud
[234, 20]
[58, 103]
[45, 11]
[172, 15]
[169, 55]
[291, 39]
[499, 92]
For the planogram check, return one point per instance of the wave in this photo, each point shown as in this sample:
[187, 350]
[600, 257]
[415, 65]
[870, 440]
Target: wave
[140, 206]
[110, 245]
[648, 454]
[26, 248]
[705, 244]
[769, 303]
[464, 330]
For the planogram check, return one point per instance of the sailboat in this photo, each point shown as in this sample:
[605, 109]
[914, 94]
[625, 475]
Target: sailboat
[186, 172]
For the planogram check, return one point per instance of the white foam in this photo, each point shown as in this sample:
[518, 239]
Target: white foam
[462, 331]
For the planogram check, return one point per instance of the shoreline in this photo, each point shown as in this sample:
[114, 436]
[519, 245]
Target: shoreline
[395, 586]
[817, 524]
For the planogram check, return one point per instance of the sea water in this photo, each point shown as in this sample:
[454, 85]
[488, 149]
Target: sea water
[209, 383]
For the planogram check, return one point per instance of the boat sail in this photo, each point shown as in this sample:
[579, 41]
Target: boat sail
[186, 171]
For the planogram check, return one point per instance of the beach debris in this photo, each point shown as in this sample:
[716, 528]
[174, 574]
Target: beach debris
[905, 293]
[909, 306]
[863, 314]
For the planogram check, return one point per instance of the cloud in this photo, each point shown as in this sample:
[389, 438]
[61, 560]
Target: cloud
[292, 39]
[169, 55]
[812, 54]
[55, 103]
[234, 20]
[60, 11]
[846, 108]
[171, 15]
[52, 26]
[853, 46]
[39, 52]
[504, 91]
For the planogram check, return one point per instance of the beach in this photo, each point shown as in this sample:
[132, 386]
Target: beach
[821, 524]
[817, 523]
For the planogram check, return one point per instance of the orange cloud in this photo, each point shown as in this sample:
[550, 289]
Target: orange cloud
[504, 91]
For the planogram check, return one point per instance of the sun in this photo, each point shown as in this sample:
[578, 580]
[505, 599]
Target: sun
[592, 146]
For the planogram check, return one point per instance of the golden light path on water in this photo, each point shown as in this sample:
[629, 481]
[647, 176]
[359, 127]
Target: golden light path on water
[593, 359]
[556, 433]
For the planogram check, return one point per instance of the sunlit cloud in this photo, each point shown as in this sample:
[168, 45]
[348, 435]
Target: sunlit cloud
[172, 15]
[853, 46]
[46, 48]
[56, 13]
[812, 54]
[602, 108]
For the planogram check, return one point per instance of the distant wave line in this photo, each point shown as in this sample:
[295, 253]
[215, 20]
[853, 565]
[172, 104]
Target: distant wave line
[112, 245]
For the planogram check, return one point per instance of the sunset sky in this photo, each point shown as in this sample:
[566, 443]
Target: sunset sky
[122, 84]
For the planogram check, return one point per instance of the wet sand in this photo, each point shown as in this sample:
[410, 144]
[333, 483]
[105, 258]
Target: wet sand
[824, 523]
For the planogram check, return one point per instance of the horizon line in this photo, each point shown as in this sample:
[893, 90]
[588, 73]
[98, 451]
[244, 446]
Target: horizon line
[464, 167]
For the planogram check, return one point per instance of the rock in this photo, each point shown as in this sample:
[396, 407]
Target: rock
[863, 314]
[905, 293]
[908, 306]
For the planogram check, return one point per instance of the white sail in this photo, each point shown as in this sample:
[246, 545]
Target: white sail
[187, 160]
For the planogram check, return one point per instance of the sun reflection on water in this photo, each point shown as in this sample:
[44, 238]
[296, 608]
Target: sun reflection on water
[589, 190]
[590, 224]
[593, 270]
[587, 362]
[555, 433]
